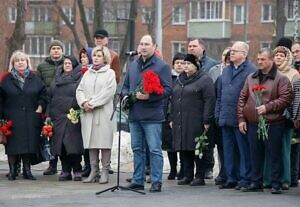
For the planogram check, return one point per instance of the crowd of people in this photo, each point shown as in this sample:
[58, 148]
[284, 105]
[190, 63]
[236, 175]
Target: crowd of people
[249, 111]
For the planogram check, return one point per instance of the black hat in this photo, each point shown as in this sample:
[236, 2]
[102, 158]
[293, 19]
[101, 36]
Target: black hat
[286, 42]
[101, 33]
[192, 59]
[73, 60]
[178, 56]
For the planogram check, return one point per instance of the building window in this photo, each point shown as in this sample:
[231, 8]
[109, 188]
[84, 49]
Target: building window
[178, 15]
[89, 13]
[114, 44]
[68, 48]
[265, 45]
[41, 14]
[123, 10]
[266, 13]
[146, 15]
[38, 46]
[291, 9]
[12, 13]
[239, 13]
[178, 47]
[207, 10]
[68, 11]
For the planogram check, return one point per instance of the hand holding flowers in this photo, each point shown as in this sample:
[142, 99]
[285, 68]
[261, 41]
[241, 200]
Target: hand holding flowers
[74, 115]
[47, 130]
[5, 130]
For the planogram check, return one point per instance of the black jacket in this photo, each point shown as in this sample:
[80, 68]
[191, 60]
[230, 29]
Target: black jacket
[62, 98]
[19, 106]
[193, 102]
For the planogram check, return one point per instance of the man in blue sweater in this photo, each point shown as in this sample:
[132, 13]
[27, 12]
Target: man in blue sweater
[146, 114]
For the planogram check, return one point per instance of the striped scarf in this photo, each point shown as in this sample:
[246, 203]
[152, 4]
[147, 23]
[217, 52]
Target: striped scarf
[20, 77]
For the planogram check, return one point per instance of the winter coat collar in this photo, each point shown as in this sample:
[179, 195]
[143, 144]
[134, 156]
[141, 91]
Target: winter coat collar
[103, 69]
[271, 75]
[50, 61]
[74, 76]
[183, 79]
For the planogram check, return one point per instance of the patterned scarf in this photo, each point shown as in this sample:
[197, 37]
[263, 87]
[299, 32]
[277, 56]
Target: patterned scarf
[97, 67]
[20, 77]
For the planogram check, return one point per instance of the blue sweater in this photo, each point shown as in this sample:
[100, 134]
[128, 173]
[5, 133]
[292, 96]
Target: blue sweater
[229, 87]
[150, 110]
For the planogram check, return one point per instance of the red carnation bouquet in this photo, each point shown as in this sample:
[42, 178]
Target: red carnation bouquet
[150, 84]
[47, 130]
[5, 130]
[262, 128]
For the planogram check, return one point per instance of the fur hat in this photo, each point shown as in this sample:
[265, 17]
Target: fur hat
[56, 43]
[192, 59]
[286, 42]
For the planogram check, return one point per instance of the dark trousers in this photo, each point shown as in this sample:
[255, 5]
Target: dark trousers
[173, 160]
[69, 162]
[188, 158]
[208, 155]
[236, 156]
[272, 148]
[294, 163]
[219, 142]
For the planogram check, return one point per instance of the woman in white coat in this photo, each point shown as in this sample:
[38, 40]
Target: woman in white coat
[95, 96]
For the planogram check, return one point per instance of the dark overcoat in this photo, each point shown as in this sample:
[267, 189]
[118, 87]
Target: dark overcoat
[192, 102]
[62, 99]
[19, 105]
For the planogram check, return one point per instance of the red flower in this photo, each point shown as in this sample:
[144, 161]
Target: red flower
[83, 70]
[9, 123]
[5, 127]
[151, 83]
[259, 88]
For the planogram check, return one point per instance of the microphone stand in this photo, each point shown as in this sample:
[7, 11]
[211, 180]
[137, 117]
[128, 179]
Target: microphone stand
[118, 186]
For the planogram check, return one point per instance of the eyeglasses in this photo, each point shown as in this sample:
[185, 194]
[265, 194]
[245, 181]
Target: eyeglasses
[236, 51]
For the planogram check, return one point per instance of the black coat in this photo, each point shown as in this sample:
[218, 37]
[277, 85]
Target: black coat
[192, 102]
[62, 98]
[19, 106]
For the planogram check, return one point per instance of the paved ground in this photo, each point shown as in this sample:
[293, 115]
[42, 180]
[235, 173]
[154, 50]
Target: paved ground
[47, 191]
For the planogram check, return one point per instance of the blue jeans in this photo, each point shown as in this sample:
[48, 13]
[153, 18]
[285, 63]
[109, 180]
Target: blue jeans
[141, 133]
[235, 142]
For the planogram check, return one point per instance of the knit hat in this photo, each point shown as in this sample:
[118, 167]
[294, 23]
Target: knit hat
[56, 43]
[178, 56]
[192, 59]
[286, 42]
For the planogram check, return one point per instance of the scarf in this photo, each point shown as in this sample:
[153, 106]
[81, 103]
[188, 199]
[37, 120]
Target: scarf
[97, 67]
[20, 77]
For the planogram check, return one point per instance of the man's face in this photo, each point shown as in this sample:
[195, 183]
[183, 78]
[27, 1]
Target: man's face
[264, 62]
[195, 48]
[296, 52]
[146, 47]
[56, 52]
[101, 41]
[237, 54]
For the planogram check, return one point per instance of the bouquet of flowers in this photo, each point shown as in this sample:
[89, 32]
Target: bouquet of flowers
[47, 130]
[74, 115]
[201, 144]
[262, 128]
[5, 130]
[150, 83]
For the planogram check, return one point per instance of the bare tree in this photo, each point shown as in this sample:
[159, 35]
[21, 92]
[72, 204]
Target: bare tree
[16, 41]
[280, 19]
[98, 14]
[84, 23]
[70, 25]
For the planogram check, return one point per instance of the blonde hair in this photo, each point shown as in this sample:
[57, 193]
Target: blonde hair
[18, 54]
[105, 53]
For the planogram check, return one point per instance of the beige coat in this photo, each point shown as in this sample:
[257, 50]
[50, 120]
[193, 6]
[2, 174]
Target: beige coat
[98, 88]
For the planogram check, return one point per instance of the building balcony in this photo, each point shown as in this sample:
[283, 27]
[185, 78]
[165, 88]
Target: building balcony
[209, 29]
[41, 28]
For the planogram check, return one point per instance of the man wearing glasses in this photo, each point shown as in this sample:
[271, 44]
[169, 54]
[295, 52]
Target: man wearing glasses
[235, 144]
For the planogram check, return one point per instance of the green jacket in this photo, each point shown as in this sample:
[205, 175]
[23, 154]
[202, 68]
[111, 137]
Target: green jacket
[46, 70]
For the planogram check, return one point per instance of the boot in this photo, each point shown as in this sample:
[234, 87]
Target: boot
[86, 170]
[105, 160]
[94, 160]
[12, 172]
[173, 163]
[26, 168]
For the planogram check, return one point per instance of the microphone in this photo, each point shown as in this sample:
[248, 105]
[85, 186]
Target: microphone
[132, 53]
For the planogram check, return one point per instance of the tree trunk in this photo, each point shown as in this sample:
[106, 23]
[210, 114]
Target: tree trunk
[280, 19]
[85, 24]
[16, 41]
[98, 15]
[70, 25]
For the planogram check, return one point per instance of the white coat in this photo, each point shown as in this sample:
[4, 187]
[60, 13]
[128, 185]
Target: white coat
[98, 89]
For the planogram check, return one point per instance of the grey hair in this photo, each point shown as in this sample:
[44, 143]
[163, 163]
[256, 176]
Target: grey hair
[244, 45]
[267, 50]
